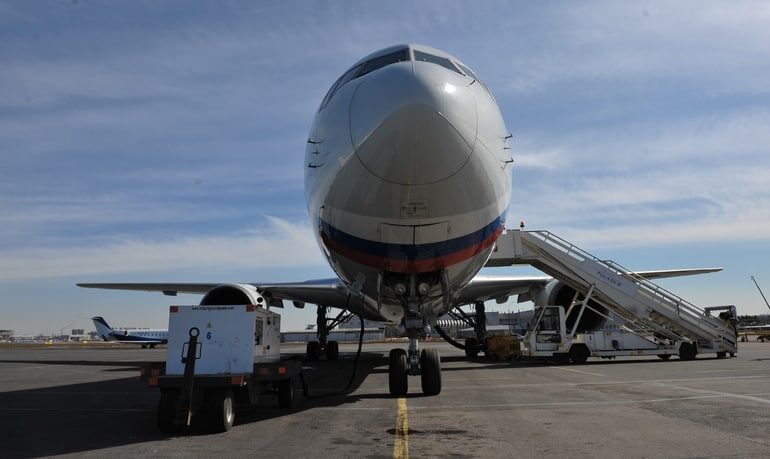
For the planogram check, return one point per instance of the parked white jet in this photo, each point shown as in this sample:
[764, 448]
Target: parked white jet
[407, 182]
[145, 336]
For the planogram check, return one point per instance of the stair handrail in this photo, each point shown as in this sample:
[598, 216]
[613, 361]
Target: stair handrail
[653, 288]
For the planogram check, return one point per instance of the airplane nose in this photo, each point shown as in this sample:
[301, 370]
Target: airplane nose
[413, 125]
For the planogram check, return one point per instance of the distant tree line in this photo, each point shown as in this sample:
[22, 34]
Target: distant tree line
[761, 319]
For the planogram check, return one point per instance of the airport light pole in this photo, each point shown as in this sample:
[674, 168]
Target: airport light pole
[760, 292]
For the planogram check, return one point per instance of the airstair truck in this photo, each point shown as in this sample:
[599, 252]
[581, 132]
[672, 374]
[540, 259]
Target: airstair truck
[648, 311]
[217, 357]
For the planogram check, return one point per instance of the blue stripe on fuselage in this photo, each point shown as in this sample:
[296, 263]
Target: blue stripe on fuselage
[411, 252]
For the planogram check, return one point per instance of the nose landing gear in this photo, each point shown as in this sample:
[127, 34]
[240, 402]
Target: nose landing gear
[426, 363]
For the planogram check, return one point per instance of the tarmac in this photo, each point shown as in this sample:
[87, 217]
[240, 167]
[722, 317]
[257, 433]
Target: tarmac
[90, 402]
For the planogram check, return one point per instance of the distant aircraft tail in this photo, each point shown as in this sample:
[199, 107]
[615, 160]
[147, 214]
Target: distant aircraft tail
[104, 330]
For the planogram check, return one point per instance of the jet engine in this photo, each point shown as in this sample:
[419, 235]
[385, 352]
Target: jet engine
[557, 293]
[232, 294]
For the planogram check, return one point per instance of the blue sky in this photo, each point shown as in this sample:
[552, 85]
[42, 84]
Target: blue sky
[163, 141]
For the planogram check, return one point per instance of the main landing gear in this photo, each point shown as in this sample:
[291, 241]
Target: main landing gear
[425, 362]
[476, 320]
[323, 325]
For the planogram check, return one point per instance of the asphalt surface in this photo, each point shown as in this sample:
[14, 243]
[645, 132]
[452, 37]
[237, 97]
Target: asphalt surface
[62, 401]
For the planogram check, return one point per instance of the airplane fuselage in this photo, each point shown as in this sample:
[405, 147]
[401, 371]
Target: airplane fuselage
[407, 180]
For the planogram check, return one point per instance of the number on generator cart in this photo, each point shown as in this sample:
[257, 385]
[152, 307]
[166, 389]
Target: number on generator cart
[208, 335]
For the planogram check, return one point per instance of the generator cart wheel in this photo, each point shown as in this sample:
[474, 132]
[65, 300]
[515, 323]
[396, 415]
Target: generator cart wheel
[397, 373]
[332, 350]
[285, 393]
[664, 356]
[430, 363]
[687, 351]
[220, 410]
[471, 348]
[169, 399]
[313, 351]
[578, 354]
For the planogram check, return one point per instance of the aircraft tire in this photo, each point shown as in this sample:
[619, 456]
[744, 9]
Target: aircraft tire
[471, 348]
[312, 351]
[721, 355]
[221, 410]
[664, 356]
[167, 411]
[397, 373]
[332, 350]
[430, 363]
[285, 393]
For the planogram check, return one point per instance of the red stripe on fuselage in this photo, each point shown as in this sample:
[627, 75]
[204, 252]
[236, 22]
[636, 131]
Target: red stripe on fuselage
[411, 266]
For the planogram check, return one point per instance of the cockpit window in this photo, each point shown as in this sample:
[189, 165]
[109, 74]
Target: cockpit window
[425, 57]
[467, 71]
[470, 73]
[382, 61]
[363, 69]
[347, 76]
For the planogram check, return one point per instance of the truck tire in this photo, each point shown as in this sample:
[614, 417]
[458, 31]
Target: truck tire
[579, 353]
[285, 393]
[430, 363]
[471, 348]
[312, 351]
[167, 405]
[332, 350]
[221, 412]
[687, 351]
[397, 373]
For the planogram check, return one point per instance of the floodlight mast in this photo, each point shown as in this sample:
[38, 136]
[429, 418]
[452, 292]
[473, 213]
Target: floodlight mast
[760, 291]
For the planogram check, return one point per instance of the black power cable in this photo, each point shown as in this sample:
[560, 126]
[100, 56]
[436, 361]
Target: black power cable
[305, 390]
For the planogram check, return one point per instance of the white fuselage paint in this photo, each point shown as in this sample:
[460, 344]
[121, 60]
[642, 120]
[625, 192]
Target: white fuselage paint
[407, 181]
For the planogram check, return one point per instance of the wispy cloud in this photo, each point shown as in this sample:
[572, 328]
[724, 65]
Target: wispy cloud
[280, 244]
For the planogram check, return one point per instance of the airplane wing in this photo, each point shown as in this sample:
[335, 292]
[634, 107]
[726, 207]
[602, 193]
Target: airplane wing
[328, 292]
[664, 273]
[483, 288]
[333, 293]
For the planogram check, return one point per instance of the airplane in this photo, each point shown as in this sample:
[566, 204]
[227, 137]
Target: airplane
[407, 183]
[144, 336]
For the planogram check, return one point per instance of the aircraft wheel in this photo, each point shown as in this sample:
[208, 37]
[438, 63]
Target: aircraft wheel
[144, 346]
[664, 356]
[313, 351]
[430, 363]
[721, 355]
[285, 393]
[687, 351]
[398, 372]
[220, 410]
[167, 411]
[332, 350]
[471, 348]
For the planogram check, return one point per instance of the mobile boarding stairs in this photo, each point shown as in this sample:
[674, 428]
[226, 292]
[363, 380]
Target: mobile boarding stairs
[646, 308]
